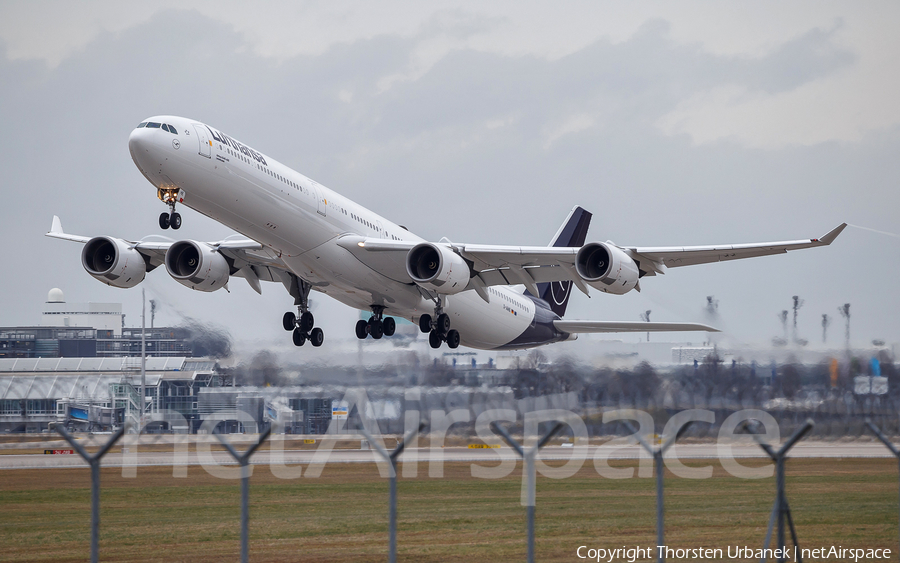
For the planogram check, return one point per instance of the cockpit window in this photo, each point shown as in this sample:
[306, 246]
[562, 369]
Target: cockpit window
[142, 124]
[171, 129]
[153, 125]
[165, 127]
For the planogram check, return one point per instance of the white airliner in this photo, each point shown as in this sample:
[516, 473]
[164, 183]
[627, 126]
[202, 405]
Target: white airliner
[308, 237]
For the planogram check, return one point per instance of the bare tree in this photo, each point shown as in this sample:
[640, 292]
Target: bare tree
[782, 316]
[712, 306]
[645, 316]
[797, 304]
[826, 320]
[845, 312]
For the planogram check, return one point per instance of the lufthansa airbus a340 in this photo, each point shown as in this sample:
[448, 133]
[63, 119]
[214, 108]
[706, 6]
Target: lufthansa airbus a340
[308, 237]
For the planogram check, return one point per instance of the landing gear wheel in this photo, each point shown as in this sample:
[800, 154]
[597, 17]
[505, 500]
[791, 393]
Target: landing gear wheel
[390, 325]
[306, 322]
[362, 329]
[434, 339]
[376, 328]
[164, 221]
[443, 323]
[425, 323]
[453, 339]
[289, 321]
[316, 337]
[299, 337]
[175, 221]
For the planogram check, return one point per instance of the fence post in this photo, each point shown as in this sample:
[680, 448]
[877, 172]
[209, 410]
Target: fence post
[94, 462]
[781, 510]
[888, 444]
[391, 458]
[530, 477]
[244, 461]
[658, 454]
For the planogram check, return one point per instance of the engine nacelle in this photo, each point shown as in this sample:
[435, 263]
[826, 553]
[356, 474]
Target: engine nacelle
[197, 265]
[437, 268]
[606, 267]
[114, 262]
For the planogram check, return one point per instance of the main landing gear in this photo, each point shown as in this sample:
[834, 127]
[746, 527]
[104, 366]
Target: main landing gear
[438, 329]
[302, 326]
[171, 219]
[378, 325]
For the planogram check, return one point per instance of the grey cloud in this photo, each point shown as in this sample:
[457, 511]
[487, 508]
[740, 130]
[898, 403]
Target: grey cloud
[421, 154]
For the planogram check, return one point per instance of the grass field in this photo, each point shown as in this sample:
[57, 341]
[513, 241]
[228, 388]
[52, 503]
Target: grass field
[342, 516]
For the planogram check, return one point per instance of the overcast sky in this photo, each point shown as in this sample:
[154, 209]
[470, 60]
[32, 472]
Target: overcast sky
[674, 123]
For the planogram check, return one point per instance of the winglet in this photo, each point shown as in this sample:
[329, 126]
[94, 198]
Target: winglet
[832, 234]
[56, 231]
[56, 226]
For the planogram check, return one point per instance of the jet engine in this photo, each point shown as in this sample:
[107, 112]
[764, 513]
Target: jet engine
[114, 262]
[197, 265]
[437, 268]
[606, 267]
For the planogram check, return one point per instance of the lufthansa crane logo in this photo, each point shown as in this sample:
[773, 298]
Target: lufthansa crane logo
[559, 291]
[176, 143]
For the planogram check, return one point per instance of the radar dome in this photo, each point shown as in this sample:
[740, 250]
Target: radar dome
[55, 296]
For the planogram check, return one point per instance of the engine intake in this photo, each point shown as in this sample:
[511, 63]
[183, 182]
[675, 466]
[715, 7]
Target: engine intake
[113, 262]
[606, 267]
[197, 265]
[437, 268]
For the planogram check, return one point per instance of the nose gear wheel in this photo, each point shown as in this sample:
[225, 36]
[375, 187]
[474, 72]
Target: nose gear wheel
[171, 219]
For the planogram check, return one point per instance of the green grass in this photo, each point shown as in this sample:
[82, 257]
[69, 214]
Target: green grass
[342, 516]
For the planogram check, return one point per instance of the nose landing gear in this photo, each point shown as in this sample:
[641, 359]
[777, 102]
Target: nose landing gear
[378, 325]
[171, 219]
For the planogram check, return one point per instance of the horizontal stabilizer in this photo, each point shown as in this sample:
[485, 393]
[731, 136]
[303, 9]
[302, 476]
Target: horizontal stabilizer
[629, 326]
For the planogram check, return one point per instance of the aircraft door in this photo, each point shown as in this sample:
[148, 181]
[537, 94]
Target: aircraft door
[381, 232]
[321, 202]
[203, 137]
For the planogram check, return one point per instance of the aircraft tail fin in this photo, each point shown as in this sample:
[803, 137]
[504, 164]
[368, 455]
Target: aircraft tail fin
[572, 233]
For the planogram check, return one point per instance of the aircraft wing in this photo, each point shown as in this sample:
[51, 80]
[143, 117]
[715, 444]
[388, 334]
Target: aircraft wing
[629, 326]
[530, 265]
[494, 265]
[248, 259]
[674, 256]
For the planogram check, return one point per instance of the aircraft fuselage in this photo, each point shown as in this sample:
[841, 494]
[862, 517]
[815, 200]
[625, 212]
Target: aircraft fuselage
[300, 220]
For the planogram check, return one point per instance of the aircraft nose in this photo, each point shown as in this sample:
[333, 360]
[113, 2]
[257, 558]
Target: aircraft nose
[138, 141]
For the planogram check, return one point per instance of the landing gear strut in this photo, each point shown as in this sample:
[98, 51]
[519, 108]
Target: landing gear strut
[378, 325]
[438, 329]
[302, 325]
[171, 219]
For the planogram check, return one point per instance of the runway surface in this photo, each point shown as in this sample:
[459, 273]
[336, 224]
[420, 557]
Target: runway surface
[288, 456]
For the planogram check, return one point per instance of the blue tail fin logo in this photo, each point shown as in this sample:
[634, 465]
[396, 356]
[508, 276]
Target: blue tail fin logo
[572, 233]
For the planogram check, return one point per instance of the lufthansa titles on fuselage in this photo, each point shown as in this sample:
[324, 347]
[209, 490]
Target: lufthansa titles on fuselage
[240, 147]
